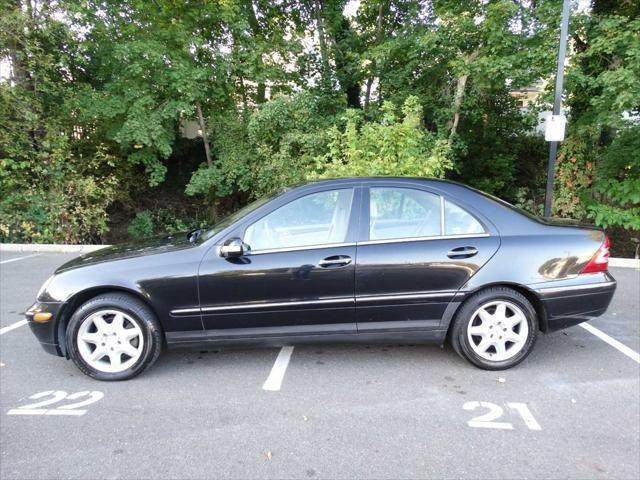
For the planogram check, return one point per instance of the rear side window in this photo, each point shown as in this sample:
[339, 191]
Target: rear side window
[403, 213]
[459, 222]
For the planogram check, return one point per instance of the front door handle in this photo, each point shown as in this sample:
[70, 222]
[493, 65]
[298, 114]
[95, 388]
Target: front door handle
[462, 252]
[335, 261]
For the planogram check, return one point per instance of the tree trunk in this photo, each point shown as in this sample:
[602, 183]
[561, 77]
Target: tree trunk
[461, 85]
[457, 101]
[379, 32]
[367, 95]
[18, 70]
[245, 100]
[21, 75]
[257, 33]
[213, 209]
[205, 137]
[349, 84]
[324, 54]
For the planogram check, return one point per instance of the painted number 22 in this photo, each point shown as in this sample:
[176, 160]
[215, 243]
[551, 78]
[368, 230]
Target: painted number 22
[55, 396]
[488, 420]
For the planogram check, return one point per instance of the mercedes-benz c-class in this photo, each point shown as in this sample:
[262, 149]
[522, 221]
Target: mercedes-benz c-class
[349, 260]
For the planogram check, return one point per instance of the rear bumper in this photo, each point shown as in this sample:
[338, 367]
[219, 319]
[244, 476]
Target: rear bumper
[46, 332]
[573, 303]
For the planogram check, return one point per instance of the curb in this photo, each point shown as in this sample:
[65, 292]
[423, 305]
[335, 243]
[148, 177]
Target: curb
[624, 262]
[59, 248]
[49, 248]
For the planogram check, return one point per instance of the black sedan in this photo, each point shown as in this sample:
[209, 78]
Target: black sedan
[360, 259]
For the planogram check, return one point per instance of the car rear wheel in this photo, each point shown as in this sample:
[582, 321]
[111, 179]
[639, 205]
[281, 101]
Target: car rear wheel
[495, 329]
[113, 337]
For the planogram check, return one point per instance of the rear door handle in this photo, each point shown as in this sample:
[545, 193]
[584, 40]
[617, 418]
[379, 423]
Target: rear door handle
[462, 252]
[335, 261]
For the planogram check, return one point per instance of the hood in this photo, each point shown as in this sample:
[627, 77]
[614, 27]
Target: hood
[139, 248]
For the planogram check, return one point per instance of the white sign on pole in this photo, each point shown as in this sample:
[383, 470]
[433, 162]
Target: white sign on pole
[554, 131]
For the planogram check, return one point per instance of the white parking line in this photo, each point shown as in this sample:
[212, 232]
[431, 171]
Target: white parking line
[274, 381]
[633, 355]
[13, 326]
[19, 258]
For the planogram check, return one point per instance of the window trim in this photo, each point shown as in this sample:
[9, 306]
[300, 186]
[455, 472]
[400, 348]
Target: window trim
[422, 239]
[297, 249]
[442, 224]
[365, 218]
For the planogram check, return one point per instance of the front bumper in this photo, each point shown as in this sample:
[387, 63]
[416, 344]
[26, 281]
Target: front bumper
[574, 302]
[46, 332]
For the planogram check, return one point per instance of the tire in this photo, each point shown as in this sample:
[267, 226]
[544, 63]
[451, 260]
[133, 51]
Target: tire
[120, 331]
[508, 334]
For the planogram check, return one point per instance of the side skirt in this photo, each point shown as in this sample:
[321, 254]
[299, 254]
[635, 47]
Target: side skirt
[203, 339]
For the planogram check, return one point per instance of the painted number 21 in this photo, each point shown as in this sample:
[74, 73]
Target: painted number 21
[55, 396]
[488, 420]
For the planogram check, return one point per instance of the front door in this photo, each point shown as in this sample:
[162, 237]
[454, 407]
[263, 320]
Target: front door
[297, 277]
[418, 249]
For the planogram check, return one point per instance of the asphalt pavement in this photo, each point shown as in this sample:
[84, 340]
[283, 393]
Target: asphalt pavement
[571, 410]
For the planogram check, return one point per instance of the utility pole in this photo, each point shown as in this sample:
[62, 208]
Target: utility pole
[553, 148]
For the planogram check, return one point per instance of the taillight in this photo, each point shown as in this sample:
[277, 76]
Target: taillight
[600, 261]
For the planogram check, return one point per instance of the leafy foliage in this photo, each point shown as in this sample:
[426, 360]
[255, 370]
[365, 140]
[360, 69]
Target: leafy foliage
[146, 224]
[391, 146]
[616, 196]
[599, 170]
[100, 91]
[141, 226]
[275, 145]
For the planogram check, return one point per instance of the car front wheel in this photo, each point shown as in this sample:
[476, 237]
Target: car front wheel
[113, 337]
[495, 329]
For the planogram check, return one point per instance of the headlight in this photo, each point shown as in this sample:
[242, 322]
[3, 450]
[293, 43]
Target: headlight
[44, 286]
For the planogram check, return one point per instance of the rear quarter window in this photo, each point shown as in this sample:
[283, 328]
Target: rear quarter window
[458, 221]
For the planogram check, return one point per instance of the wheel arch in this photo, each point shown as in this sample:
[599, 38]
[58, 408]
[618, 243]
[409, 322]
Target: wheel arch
[529, 294]
[77, 299]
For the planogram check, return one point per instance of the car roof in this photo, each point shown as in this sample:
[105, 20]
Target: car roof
[376, 178]
[446, 186]
[508, 219]
[427, 181]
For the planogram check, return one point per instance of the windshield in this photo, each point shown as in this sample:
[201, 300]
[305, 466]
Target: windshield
[228, 220]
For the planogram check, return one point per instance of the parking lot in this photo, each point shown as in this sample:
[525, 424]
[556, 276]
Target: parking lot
[571, 410]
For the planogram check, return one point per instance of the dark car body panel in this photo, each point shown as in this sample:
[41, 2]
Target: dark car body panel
[149, 246]
[566, 305]
[278, 289]
[396, 290]
[167, 280]
[413, 281]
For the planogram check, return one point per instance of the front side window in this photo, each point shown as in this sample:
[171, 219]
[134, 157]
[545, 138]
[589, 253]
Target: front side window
[403, 213]
[316, 219]
[459, 222]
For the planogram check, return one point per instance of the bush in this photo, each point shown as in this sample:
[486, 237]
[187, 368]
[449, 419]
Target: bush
[391, 146]
[61, 203]
[141, 226]
[615, 199]
[163, 221]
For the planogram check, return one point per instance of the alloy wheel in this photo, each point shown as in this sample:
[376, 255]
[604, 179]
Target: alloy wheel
[110, 341]
[498, 330]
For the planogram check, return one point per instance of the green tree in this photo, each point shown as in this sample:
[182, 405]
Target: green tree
[599, 165]
[393, 146]
[54, 185]
[99, 91]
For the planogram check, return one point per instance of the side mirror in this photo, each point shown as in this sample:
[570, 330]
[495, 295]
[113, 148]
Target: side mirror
[234, 247]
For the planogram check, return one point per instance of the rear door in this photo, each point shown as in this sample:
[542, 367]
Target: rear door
[416, 249]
